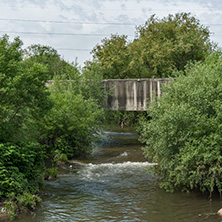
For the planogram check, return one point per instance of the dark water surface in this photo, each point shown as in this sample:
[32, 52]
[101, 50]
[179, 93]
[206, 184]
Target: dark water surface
[113, 185]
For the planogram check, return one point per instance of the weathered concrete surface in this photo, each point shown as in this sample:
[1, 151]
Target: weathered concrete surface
[132, 94]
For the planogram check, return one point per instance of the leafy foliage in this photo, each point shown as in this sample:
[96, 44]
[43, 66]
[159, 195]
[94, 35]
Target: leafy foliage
[50, 173]
[74, 119]
[23, 101]
[49, 58]
[170, 43]
[112, 56]
[184, 133]
[20, 168]
[123, 118]
[160, 46]
[22, 88]
[63, 118]
[46, 56]
[21, 203]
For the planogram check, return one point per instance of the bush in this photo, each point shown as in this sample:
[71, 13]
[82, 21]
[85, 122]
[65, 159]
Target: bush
[72, 123]
[51, 173]
[22, 203]
[20, 168]
[184, 135]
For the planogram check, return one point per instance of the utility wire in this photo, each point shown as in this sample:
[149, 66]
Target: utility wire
[82, 22]
[71, 34]
[59, 33]
[68, 22]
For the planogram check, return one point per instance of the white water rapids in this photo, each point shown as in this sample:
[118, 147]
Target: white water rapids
[114, 185]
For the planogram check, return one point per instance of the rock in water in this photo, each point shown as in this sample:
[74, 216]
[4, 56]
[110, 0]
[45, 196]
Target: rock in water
[219, 212]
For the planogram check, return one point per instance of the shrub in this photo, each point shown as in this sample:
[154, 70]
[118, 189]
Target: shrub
[51, 173]
[72, 123]
[184, 135]
[21, 204]
[20, 168]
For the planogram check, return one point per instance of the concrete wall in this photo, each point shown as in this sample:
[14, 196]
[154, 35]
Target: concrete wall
[131, 94]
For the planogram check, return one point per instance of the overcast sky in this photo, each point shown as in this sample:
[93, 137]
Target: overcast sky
[74, 27]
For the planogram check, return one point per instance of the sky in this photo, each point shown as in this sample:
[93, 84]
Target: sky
[75, 27]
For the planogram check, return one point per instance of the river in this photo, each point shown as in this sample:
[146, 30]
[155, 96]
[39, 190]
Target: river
[113, 184]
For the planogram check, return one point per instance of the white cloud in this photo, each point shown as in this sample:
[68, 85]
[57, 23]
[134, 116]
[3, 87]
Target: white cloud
[96, 11]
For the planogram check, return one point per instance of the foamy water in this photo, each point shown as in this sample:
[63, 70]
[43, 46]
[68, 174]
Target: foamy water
[113, 185]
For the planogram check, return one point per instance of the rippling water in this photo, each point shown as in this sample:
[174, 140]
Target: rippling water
[113, 185]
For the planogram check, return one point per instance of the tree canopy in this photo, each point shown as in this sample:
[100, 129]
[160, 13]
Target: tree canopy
[49, 58]
[72, 124]
[160, 46]
[39, 122]
[183, 135]
[113, 56]
[22, 88]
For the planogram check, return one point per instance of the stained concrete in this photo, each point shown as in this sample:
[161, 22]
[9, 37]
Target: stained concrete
[132, 94]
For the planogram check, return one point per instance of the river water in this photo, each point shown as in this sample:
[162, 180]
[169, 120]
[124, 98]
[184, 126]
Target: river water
[113, 184]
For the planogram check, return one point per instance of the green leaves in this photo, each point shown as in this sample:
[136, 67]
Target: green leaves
[64, 118]
[75, 117]
[184, 133]
[47, 56]
[113, 57]
[170, 43]
[160, 47]
[20, 168]
[22, 89]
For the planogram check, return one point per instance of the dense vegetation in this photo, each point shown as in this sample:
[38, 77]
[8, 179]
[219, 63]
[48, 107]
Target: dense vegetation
[58, 122]
[184, 133]
[74, 119]
[38, 122]
[160, 47]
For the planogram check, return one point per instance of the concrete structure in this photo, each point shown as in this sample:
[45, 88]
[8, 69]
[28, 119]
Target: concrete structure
[132, 94]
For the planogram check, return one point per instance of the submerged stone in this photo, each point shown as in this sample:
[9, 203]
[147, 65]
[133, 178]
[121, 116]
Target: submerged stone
[219, 212]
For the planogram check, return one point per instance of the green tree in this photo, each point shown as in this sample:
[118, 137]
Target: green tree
[91, 78]
[45, 55]
[160, 47]
[112, 56]
[63, 118]
[50, 58]
[20, 168]
[22, 89]
[163, 45]
[24, 100]
[184, 133]
[72, 124]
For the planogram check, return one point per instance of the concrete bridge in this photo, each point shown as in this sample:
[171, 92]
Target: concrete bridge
[132, 94]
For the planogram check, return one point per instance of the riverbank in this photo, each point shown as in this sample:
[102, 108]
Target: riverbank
[112, 184]
[16, 205]
[3, 212]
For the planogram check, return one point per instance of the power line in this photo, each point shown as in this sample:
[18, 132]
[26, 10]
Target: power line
[82, 22]
[70, 34]
[68, 22]
[59, 33]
